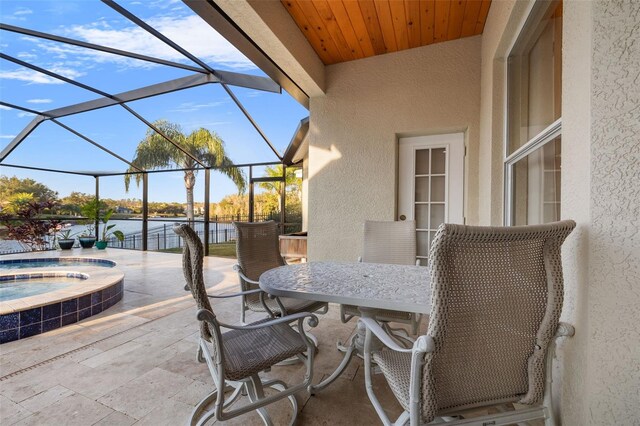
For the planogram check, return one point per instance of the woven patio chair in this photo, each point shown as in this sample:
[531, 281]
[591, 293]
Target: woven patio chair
[258, 250]
[236, 357]
[388, 242]
[495, 307]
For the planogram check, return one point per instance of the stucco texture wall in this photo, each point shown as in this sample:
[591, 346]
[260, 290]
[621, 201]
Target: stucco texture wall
[354, 129]
[490, 151]
[597, 373]
[575, 203]
[614, 291]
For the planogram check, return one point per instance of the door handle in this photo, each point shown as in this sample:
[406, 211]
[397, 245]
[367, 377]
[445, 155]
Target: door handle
[403, 217]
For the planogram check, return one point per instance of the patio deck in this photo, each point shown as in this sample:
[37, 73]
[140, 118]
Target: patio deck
[135, 363]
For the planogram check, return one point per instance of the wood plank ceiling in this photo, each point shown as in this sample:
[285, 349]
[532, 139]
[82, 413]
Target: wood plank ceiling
[343, 30]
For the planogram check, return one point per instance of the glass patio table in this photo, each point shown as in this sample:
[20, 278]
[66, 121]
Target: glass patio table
[369, 286]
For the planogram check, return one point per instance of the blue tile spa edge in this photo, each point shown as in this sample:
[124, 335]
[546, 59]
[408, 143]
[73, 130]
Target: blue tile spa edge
[32, 321]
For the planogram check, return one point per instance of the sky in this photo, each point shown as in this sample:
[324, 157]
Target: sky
[51, 146]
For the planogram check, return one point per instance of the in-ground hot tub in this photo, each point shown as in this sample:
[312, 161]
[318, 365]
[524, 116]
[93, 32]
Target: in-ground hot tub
[42, 294]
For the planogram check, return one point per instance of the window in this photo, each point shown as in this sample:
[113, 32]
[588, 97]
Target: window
[534, 103]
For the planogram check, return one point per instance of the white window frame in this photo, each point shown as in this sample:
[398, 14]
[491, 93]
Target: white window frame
[536, 10]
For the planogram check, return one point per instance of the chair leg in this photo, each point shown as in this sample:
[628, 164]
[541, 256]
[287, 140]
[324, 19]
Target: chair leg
[350, 353]
[256, 393]
[237, 393]
[415, 323]
[281, 386]
[199, 417]
[199, 355]
[403, 419]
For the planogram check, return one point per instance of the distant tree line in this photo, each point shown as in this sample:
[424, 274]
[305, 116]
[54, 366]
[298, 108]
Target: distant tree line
[16, 193]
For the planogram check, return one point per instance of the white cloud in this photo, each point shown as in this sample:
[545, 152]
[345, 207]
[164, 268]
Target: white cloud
[40, 101]
[253, 94]
[23, 114]
[190, 32]
[6, 108]
[26, 55]
[7, 136]
[64, 70]
[22, 12]
[192, 106]
[19, 14]
[32, 77]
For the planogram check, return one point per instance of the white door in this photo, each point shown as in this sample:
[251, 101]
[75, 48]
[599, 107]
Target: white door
[431, 184]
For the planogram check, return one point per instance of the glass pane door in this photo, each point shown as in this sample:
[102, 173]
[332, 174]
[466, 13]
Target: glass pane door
[430, 205]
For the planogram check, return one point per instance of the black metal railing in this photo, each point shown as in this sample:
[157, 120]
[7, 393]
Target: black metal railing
[162, 237]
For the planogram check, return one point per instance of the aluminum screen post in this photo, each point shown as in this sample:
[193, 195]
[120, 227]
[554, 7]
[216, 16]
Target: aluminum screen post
[97, 218]
[207, 190]
[250, 193]
[283, 197]
[145, 211]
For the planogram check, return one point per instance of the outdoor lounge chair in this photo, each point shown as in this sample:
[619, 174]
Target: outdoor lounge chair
[496, 301]
[388, 242]
[235, 358]
[258, 251]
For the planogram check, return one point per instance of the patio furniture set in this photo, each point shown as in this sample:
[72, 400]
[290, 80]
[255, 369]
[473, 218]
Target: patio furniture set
[492, 295]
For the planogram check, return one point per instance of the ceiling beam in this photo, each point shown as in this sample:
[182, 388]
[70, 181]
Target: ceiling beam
[42, 169]
[224, 17]
[18, 139]
[21, 136]
[298, 137]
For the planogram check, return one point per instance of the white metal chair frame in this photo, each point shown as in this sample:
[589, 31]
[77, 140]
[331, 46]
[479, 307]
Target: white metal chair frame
[212, 343]
[542, 243]
[391, 242]
[424, 345]
[266, 247]
[251, 386]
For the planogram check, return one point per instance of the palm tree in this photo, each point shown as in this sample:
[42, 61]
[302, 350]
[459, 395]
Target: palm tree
[291, 180]
[155, 152]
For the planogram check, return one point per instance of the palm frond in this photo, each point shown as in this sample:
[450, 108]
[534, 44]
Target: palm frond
[155, 152]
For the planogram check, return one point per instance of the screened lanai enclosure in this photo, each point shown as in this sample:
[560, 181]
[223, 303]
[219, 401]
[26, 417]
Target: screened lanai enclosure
[147, 105]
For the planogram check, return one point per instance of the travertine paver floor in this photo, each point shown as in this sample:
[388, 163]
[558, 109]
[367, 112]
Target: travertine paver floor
[135, 362]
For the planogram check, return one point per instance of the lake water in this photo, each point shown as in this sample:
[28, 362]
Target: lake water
[129, 226]
[160, 234]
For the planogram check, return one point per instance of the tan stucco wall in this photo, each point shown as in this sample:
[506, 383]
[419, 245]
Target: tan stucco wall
[575, 204]
[597, 373]
[354, 131]
[614, 247]
[305, 193]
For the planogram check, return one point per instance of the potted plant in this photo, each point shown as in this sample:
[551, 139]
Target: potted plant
[64, 237]
[91, 211]
[108, 231]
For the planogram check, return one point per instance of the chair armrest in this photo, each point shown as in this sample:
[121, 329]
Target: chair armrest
[242, 293]
[422, 344]
[313, 321]
[382, 335]
[243, 277]
[237, 268]
[565, 330]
